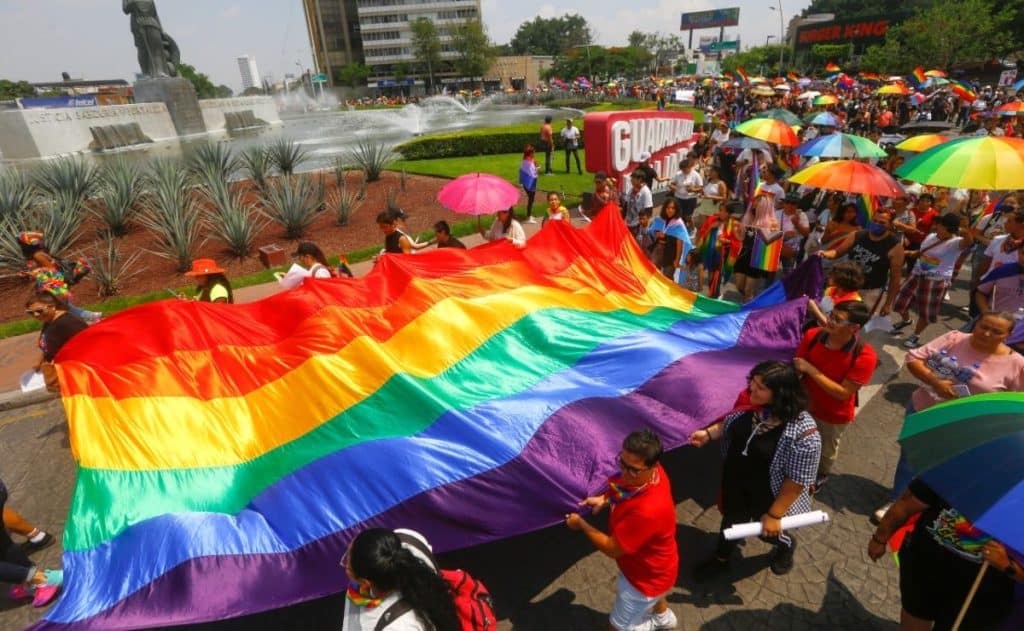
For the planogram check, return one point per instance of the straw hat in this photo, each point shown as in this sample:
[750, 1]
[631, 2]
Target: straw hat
[201, 267]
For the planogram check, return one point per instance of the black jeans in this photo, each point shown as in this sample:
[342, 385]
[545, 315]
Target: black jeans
[575, 153]
[742, 505]
[15, 566]
[547, 159]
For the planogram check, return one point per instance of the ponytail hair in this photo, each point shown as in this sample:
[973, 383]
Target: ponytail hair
[377, 555]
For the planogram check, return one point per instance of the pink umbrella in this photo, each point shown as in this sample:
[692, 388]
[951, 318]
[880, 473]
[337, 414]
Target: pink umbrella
[478, 194]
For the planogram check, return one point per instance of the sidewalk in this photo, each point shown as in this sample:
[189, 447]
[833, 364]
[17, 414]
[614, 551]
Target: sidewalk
[19, 354]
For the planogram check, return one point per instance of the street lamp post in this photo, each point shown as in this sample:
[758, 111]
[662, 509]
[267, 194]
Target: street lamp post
[782, 34]
[767, 39]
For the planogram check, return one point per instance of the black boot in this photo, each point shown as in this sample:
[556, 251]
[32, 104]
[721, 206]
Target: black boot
[782, 557]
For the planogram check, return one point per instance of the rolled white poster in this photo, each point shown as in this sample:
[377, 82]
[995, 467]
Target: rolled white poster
[753, 529]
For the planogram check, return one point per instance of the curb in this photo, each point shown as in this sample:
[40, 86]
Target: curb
[16, 399]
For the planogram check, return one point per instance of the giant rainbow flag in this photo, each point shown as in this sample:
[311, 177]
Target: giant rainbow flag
[227, 454]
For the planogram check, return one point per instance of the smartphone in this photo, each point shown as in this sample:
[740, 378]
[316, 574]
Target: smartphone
[961, 390]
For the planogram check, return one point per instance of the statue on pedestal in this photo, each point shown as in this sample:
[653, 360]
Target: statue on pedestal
[158, 53]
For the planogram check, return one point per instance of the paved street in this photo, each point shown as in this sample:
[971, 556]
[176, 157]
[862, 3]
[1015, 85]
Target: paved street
[552, 579]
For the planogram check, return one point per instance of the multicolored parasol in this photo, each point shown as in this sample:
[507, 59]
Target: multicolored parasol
[769, 130]
[780, 114]
[922, 142]
[826, 99]
[976, 162]
[840, 146]
[849, 176]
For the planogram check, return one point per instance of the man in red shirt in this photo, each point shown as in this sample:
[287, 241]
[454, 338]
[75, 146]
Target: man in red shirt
[835, 363]
[924, 217]
[642, 535]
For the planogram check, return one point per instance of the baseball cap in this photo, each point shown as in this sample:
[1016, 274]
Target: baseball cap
[645, 156]
[600, 176]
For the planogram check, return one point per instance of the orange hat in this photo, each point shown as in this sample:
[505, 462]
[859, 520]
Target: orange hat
[202, 267]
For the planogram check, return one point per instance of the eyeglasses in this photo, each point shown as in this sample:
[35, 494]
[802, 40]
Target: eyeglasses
[36, 312]
[628, 469]
[832, 319]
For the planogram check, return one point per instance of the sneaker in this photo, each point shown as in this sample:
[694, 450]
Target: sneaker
[782, 559]
[21, 592]
[44, 595]
[902, 325]
[820, 482]
[709, 569]
[877, 516]
[30, 547]
[531, 220]
[947, 298]
[657, 622]
[912, 342]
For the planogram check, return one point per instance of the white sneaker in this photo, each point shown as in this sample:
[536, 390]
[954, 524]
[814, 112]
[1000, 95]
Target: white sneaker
[880, 513]
[531, 220]
[657, 622]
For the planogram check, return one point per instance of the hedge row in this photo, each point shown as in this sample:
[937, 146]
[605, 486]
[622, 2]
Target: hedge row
[459, 145]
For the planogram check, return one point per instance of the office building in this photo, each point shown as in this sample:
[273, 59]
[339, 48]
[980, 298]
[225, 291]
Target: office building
[250, 73]
[378, 33]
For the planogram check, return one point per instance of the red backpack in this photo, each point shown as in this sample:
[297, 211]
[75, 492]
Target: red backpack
[473, 603]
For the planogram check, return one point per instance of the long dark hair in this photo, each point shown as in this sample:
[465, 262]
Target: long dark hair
[215, 279]
[788, 396]
[377, 555]
[669, 201]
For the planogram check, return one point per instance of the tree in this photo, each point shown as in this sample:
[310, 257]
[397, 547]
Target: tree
[426, 44]
[202, 84]
[759, 59]
[659, 46]
[947, 33]
[353, 75]
[10, 90]
[610, 62]
[551, 36]
[476, 53]
[223, 92]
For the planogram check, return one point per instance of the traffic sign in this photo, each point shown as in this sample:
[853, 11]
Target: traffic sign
[720, 46]
[319, 78]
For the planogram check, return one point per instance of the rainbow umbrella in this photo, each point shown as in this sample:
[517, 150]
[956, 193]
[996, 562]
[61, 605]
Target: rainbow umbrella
[849, 176]
[977, 162]
[824, 119]
[935, 73]
[769, 130]
[763, 91]
[826, 99]
[780, 114]
[922, 142]
[1013, 107]
[893, 88]
[840, 146]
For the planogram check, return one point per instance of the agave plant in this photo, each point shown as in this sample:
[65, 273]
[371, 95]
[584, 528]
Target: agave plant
[75, 178]
[286, 155]
[110, 271]
[120, 188]
[17, 194]
[214, 158]
[257, 165]
[340, 168]
[172, 213]
[233, 221]
[60, 219]
[291, 203]
[343, 204]
[10, 252]
[373, 157]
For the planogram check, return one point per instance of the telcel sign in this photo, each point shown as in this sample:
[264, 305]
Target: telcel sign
[714, 18]
[615, 140]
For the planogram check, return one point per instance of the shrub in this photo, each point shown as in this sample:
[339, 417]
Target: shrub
[171, 213]
[343, 204]
[60, 219]
[467, 144]
[73, 177]
[120, 189]
[17, 194]
[110, 271]
[291, 203]
[286, 155]
[372, 157]
[257, 165]
[233, 221]
[213, 161]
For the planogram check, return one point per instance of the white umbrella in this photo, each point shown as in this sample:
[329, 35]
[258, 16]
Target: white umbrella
[783, 87]
[810, 94]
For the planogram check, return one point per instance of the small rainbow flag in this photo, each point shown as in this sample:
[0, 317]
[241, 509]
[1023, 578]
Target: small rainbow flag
[993, 207]
[919, 76]
[962, 90]
[866, 206]
[755, 178]
[832, 67]
[743, 74]
[766, 252]
[792, 76]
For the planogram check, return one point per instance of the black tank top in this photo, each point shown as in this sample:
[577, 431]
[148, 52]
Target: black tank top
[873, 257]
[391, 242]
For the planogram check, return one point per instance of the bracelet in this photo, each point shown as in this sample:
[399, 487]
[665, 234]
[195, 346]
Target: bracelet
[708, 432]
[875, 539]
[769, 513]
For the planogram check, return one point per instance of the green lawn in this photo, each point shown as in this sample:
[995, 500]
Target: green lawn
[505, 165]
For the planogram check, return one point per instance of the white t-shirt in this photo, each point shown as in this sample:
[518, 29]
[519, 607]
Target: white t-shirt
[996, 252]
[319, 271]
[939, 259]
[571, 136]
[718, 136]
[683, 180]
[777, 190]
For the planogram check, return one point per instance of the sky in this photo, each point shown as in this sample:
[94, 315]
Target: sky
[90, 39]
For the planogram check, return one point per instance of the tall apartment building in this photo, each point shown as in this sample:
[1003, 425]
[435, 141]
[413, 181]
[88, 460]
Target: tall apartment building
[250, 73]
[378, 32]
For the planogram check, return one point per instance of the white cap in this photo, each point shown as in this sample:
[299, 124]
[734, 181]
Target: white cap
[645, 156]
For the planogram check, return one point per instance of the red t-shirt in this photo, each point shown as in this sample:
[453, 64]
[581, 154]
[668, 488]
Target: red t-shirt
[923, 223]
[835, 364]
[644, 526]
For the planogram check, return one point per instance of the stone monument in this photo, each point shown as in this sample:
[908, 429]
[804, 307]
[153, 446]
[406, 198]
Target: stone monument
[158, 59]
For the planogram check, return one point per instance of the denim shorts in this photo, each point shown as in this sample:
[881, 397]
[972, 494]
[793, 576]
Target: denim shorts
[630, 605]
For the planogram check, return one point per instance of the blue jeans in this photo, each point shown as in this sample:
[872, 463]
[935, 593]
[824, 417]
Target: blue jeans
[89, 316]
[904, 474]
